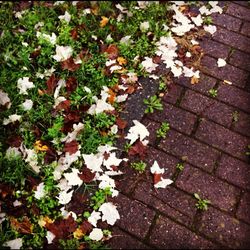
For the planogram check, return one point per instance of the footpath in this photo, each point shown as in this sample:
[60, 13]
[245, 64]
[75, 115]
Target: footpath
[210, 135]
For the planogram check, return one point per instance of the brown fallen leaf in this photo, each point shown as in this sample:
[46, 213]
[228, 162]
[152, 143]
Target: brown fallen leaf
[71, 147]
[121, 60]
[157, 178]
[194, 80]
[138, 149]
[112, 51]
[122, 124]
[24, 226]
[70, 65]
[87, 176]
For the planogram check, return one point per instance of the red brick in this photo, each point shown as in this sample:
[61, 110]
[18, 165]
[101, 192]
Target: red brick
[191, 150]
[234, 96]
[220, 193]
[214, 48]
[232, 39]
[245, 30]
[243, 124]
[243, 3]
[230, 73]
[226, 21]
[136, 218]
[122, 240]
[222, 138]
[240, 59]
[179, 119]
[207, 107]
[168, 235]
[244, 208]
[225, 229]
[234, 171]
[182, 209]
[238, 11]
[205, 83]
[172, 94]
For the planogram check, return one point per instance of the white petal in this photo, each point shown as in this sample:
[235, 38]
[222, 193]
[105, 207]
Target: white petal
[155, 169]
[50, 237]
[73, 178]
[163, 183]
[14, 244]
[221, 62]
[96, 234]
[94, 217]
[110, 213]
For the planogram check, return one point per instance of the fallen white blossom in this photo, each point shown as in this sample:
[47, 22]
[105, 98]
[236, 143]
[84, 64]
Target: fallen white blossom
[14, 244]
[94, 217]
[62, 53]
[40, 191]
[4, 99]
[27, 105]
[110, 213]
[12, 119]
[66, 17]
[24, 84]
[221, 62]
[96, 234]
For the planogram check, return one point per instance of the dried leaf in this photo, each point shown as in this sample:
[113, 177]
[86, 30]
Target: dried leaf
[130, 90]
[51, 84]
[86, 227]
[112, 51]
[157, 178]
[74, 34]
[64, 105]
[112, 95]
[24, 227]
[87, 176]
[71, 147]
[14, 141]
[122, 124]
[70, 65]
[104, 21]
[194, 80]
[121, 60]
[138, 149]
[71, 84]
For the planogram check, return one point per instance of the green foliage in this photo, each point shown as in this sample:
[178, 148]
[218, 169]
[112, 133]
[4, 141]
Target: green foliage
[201, 204]
[162, 131]
[208, 20]
[153, 103]
[69, 244]
[55, 131]
[213, 92]
[180, 166]
[13, 170]
[139, 166]
[100, 197]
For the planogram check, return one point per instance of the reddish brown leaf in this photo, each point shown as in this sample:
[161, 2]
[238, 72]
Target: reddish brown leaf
[14, 141]
[157, 178]
[5, 190]
[87, 176]
[71, 84]
[51, 84]
[138, 149]
[50, 156]
[79, 203]
[74, 34]
[86, 227]
[70, 65]
[122, 124]
[35, 53]
[130, 90]
[106, 155]
[64, 105]
[71, 147]
[24, 226]
[62, 228]
[157, 59]
[112, 51]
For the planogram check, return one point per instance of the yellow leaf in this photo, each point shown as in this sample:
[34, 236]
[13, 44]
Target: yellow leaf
[104, 21]
[78, 233]
[194, 80]
[121, 60]
[39, 147]
[44, 220]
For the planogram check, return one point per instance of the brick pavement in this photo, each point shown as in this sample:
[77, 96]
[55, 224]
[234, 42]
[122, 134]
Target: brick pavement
[210, 135]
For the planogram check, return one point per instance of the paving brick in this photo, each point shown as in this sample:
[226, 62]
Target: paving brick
[136, 218]
[173, 93]
[222, 138]
[243, 124]
[190, 149]
[182, 209]
[168, 235]
[226, 21]
[238, 11]
[232, 39]
[244, 208]
[229, 72]
[225, 229]
[243, 3]
[220, 193]
[205, 83]
[240, 59]
[214, 48]
[234, 171]
[207, 107]
[245, 30]
[234, 96]
[122, 240]
[179, 119]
